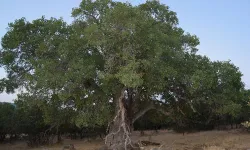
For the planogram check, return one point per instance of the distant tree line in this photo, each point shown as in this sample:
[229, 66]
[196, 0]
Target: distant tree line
[41, 123]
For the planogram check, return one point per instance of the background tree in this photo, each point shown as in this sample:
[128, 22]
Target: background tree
[29, 120]
[7, 118]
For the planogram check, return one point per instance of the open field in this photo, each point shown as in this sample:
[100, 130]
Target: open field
[209, 140]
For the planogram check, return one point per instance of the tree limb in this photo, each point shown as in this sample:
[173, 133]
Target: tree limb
[142, 112]
[149, 107]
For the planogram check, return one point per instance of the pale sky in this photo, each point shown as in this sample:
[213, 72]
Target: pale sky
[222, 26]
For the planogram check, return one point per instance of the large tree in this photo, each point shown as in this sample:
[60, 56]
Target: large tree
[112, 64]
[139, 46]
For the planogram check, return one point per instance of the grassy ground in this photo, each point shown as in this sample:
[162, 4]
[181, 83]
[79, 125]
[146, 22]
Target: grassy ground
[209, 140]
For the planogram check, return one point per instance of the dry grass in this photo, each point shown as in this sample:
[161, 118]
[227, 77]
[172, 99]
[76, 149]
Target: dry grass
[210, 140]
[214, 148]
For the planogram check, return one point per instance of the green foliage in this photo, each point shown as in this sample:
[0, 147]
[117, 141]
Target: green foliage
[109, 45]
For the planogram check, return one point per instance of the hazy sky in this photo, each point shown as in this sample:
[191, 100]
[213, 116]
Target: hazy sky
[223, 26]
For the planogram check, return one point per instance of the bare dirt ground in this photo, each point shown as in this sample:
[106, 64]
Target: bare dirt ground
[209, 140]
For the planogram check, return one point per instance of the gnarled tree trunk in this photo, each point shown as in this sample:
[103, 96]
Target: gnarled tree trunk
[122, 125]
[120, 128]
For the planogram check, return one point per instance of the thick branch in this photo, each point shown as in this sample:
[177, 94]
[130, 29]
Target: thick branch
[149, 107]
[92, 16]
[142, 112]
